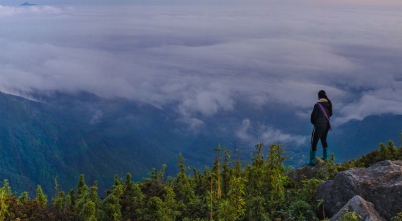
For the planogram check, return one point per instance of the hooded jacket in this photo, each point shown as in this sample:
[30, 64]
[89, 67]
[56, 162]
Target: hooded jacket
[317, 116]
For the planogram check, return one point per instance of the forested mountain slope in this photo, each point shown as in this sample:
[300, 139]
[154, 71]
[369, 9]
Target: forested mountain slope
[65, 135]
[64, 138]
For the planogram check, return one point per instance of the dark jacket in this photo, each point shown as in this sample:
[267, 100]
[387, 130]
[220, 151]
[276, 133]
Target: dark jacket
[317, 116]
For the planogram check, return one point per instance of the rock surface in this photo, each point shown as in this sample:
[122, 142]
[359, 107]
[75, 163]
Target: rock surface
[361, 207]
[380, 184]
[307, 171]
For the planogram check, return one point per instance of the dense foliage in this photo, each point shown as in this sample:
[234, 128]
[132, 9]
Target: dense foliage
[62, 137]
[227, 191]
[259, 190]
[68, 134]
[389, 152]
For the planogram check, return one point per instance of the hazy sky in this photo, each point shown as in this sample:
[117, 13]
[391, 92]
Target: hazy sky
[198, 2]
[205, 58]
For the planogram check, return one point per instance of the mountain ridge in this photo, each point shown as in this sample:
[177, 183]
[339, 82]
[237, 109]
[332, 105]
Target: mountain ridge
[64, 135]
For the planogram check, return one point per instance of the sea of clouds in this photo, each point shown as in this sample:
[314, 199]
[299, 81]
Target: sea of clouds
[204, 59]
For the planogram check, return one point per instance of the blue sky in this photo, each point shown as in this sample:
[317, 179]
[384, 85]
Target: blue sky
[206, 59]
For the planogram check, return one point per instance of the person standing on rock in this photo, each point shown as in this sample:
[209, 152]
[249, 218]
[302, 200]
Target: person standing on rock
[320, 119]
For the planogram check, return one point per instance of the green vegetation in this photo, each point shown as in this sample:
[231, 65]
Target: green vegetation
[350, 216]
[389, 152]
[229, 190]
[57, 138]
[398, 217]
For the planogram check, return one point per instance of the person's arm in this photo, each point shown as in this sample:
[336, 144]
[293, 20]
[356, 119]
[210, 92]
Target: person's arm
[314, 114]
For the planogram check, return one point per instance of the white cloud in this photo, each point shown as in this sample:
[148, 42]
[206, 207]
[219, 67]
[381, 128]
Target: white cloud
[10, 11]
[205, 60]
[242, 131]
[96, 117]
[374, 103]
[303, 115]
[194, 124]
[267, 134]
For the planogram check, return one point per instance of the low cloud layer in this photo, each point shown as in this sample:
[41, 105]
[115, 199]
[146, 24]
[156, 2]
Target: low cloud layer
[204, 60]
[32, 10]
[254, 133]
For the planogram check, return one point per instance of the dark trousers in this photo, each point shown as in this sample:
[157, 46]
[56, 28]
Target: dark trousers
[319, 133]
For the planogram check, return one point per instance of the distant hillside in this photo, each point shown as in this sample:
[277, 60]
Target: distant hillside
[356, 138]
[65, 135]
[71, 135]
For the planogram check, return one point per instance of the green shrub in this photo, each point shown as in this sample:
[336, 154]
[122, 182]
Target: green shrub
[398, 217]
[350, 216]
[228, 191]
[389, 152]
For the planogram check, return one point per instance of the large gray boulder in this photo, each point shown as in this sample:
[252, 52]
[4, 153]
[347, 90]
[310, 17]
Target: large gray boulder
[307, 171]
[380, 184]
[361, 207]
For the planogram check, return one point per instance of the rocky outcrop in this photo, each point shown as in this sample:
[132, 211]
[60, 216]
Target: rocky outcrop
[380, 184]
[307, 171]
[361, 207]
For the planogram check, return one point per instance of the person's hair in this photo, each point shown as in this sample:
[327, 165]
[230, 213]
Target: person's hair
[322, 94]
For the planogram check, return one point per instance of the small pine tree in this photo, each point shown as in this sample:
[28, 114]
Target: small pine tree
[3, 204]
[132, 199]
[181, 176]
[116, 180]
[56, 187]
[71, 197]
[93, 194]
[88, 212]
[40, 196]
[81, 187]
[56, 194]
[127, 184]
[383, 152]
[233, 207]
[111, 204]
[60, 202]
[155, 209]
[24, 197]
[7, 188]
[391, 151]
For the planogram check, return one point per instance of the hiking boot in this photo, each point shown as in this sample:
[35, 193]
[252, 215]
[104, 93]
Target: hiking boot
[311, 162]
[325, 153]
